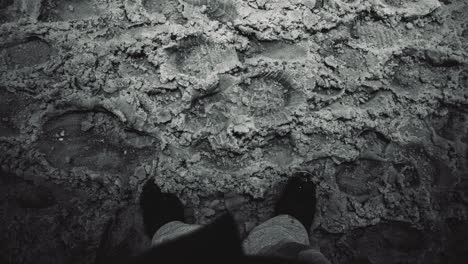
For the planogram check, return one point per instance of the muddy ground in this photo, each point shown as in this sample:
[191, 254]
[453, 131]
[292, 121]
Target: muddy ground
[220, 101]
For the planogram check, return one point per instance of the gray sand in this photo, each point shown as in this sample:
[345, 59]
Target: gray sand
[220, 101]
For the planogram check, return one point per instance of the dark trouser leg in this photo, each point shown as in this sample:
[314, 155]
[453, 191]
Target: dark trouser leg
[171, 231]
[282, 236]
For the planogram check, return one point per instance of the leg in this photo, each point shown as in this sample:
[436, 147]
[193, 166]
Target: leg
[281, 232]
[283, 236]
[171, 231]
[176, 242]
[159, 208]
[286, 235]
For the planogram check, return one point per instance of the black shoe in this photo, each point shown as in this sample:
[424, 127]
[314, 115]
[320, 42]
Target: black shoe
[159, 208]
[298, 200]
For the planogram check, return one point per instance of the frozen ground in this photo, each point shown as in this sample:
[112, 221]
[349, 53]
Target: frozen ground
[220, 101]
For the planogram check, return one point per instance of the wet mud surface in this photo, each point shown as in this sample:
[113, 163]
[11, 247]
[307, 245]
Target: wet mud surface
[220, 102]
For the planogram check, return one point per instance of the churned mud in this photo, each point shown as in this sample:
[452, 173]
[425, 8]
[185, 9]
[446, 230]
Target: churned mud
[220, 101]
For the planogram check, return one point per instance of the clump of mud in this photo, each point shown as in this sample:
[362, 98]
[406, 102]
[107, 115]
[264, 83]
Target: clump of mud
[220, 101]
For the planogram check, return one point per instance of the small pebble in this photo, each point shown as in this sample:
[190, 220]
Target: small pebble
[331, 61]
[409, 25]
[71, 8]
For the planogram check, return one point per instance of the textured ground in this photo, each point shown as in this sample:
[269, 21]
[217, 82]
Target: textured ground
[219, 101]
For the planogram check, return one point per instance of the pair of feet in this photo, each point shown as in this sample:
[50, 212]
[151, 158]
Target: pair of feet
[297, 199]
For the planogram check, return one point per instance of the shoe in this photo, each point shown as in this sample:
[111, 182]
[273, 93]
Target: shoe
[159, 208]
[298, 200]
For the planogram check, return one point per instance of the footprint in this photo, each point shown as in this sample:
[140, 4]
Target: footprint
[31, 52]
[210, 159]
[409, 174]
[376, 152]
[352, 59]
[374, 35]
[279, 50]
[414, 8]
[277, 151]
[68, 143]
[280, 151]
[12, 112]
[416, 166]
[91, 140]
[221, 10]
[361, 179]
[265, 96]
[389, 242]
[452, 126]
[199, 57]
[373, 144]
[268, 93]
[69, 10]
[266, 99]
[429, 79]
